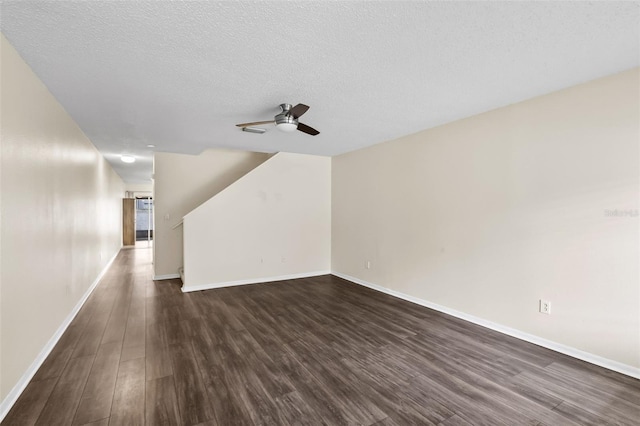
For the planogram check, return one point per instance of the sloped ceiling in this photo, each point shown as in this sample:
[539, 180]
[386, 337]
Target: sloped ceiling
[179, 75]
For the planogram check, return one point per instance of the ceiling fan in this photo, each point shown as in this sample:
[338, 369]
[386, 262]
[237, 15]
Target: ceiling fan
[287, 120]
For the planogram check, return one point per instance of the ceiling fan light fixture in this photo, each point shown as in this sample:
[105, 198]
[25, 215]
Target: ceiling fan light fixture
[127, 158]
[285, 121]
[287, 127]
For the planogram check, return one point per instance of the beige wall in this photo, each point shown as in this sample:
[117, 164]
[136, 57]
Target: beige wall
[489, 214]
[273, 222]
[182, 183]
[60, 216]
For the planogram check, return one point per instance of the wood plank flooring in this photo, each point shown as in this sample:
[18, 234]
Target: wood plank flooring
[302, 352]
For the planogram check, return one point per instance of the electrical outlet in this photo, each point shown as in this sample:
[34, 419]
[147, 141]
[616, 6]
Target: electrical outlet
[545, 307]
[367, 264]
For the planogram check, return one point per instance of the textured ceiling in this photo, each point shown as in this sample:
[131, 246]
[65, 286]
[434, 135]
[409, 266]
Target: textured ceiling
[179, 75]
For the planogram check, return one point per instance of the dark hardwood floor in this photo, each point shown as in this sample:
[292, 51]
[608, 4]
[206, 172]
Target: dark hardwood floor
[310, 351]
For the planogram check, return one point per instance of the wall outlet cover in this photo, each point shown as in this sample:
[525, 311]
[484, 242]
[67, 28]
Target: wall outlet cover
[545, 307]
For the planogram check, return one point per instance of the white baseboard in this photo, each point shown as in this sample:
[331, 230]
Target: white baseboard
[187, 289]
[619, 367]
[13, 395]
[166, 277]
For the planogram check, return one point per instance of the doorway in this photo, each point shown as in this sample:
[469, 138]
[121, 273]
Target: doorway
[144, 219]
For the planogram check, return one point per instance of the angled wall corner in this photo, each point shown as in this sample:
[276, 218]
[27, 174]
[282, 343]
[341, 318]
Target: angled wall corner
[274, 223]
[183, 182]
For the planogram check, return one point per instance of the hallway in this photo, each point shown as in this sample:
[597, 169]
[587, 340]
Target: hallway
[98, 366]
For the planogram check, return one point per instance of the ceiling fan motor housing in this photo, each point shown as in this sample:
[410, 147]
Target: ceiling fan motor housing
[285, 121]
[285, 116]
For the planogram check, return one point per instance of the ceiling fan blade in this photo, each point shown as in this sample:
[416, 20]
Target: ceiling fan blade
[298, 110]
[254, 123]
[308, 130]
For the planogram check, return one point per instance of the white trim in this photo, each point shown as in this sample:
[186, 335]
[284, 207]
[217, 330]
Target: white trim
[19, 387]
[558, 347]
[187, 289]
[166, 277]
